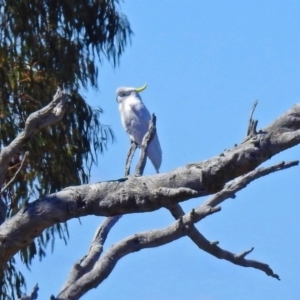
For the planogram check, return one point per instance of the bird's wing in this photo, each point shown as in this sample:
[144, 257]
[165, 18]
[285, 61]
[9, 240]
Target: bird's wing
[136, 119]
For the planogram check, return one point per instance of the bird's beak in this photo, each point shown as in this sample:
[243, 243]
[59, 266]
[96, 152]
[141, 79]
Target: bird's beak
[138, 90]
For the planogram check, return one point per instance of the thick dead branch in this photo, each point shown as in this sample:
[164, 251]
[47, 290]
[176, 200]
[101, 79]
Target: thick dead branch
[184, 226]
[148, 193]
[139, 170]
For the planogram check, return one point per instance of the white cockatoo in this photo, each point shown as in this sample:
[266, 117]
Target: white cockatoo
[135, 119]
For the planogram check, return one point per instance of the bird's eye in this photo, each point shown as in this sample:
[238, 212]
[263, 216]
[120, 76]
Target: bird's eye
[123, 94]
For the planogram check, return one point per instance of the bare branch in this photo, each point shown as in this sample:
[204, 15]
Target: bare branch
[44, 117]
[136, 242]
[213, 249]
[252, 124]
[139, 170]
[18, 171]
[183, 226]
[129, 157]
[229, 192]
[148, 193]
[33, 295]
[241, 182]
[243, 254]
[88, 261]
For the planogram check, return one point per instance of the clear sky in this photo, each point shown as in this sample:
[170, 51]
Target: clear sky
[205, 63]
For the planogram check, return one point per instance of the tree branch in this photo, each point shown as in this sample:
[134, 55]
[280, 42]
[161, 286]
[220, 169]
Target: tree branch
[86, 264]
[86, 278]
[33, 295]
[229, 192]
[241, 182]
[183, 226]
[251, 131]
[148, 193]
[129, 157]
[48, 115]
[136, 242]
[139, 170]
[18, 171]
[44, 117]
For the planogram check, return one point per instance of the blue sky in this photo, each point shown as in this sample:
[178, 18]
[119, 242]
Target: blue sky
[205, 63]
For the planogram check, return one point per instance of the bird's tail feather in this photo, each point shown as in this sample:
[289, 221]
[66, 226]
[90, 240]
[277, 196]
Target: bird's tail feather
[154, 153]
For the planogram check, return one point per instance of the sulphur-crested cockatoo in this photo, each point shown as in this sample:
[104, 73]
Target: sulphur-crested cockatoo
[135, 119]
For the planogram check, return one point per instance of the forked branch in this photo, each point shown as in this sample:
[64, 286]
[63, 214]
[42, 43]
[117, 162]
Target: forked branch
[44, 117]
[184, 226]
[139, 170]
[88, 262]
[221, 176]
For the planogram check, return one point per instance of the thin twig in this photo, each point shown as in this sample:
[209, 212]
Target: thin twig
[229, 192]
[243, 254]
[251, 131]
[129, 157]
[242, 181]
[18, 171]
[253, 109]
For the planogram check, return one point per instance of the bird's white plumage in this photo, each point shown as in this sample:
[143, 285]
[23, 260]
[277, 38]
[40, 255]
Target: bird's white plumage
[135, 119]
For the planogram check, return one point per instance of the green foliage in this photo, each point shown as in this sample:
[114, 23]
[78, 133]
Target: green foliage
[45, 44]
[11, 281]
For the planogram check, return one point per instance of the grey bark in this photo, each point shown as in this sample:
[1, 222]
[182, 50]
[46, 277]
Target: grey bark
[222, 176]
[82, 279]
[48, 115]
